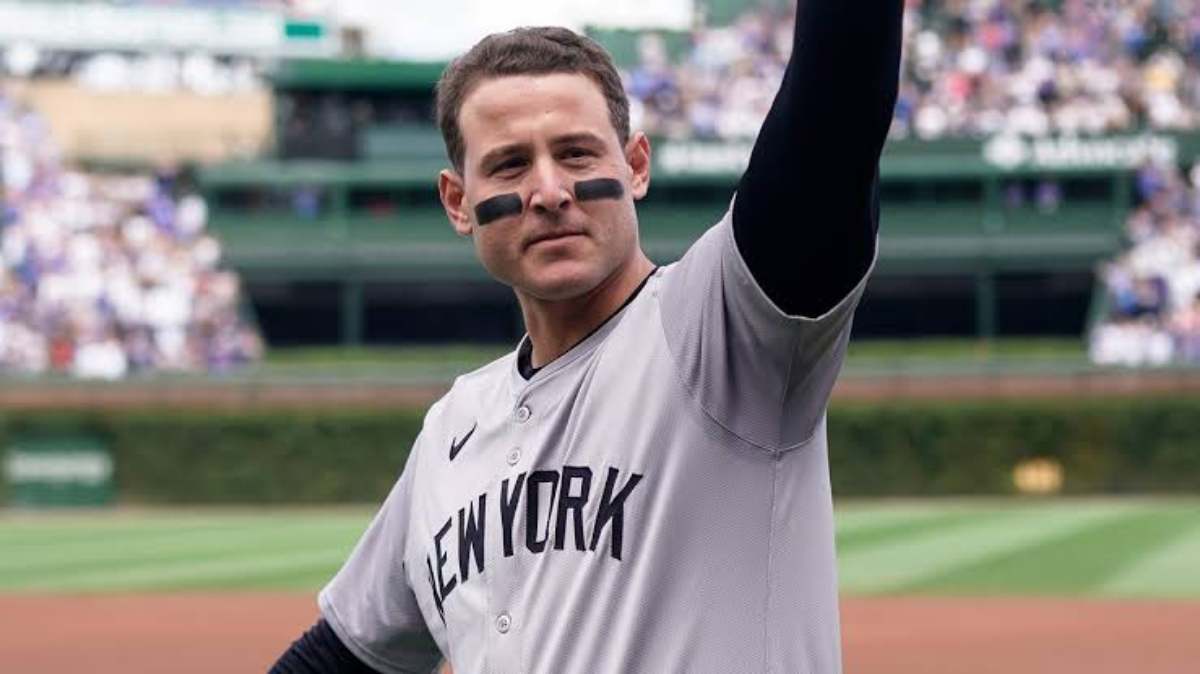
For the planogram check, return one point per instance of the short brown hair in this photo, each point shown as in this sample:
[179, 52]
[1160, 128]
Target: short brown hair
[526, 51]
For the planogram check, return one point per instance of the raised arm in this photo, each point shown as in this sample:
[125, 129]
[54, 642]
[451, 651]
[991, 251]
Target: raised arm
[807, 207]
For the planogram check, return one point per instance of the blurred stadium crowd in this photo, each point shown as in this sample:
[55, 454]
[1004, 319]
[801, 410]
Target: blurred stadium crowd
[976, 68]
[103, 276]
[1153, 287]
[972, 68]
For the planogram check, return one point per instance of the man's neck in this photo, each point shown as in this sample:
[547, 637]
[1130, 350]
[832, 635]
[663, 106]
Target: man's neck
[556, 326]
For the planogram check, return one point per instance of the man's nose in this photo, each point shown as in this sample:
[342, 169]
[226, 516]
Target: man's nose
[550, 193]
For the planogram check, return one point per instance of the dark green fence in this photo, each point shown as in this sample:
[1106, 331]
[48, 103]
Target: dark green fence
[1144, 445]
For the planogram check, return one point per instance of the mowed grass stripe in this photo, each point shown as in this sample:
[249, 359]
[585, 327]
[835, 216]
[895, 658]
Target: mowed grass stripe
[104, 546]
[896, 528]
[859, 515]
[309, 579]
[151, 563]
[58, 529]
[196, 573]
[1072, 562]
[1171, 571]
[108, 548]
[58, 534]
[77, 561]
[896, 564]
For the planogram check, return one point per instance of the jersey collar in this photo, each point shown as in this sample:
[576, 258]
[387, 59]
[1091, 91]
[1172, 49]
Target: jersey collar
[523, 372]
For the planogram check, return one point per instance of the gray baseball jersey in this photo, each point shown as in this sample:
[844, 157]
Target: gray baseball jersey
[655, 500]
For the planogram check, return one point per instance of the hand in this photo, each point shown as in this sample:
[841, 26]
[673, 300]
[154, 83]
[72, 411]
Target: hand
[445, 668]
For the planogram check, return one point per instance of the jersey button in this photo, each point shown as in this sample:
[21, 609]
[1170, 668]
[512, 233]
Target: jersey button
[503, 623]
[523, 414]
[514, 456]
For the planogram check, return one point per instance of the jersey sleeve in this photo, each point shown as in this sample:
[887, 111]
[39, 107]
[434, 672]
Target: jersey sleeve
[755, 370]
[370, 603]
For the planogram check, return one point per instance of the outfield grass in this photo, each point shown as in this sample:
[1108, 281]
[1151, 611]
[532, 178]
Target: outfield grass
[1101, 547]
[1098, 547]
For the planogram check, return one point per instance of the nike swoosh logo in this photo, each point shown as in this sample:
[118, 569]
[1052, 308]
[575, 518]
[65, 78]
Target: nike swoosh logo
[456, 445]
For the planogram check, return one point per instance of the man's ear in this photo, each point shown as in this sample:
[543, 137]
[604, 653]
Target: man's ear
[637, 154]
[450, 189]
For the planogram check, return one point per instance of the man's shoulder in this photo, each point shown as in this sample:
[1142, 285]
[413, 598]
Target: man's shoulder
[474, 390]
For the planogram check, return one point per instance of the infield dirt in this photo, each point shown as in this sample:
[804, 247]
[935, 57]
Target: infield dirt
[228, 632]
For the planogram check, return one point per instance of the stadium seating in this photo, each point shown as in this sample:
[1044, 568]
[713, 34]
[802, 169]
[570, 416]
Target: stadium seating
[105, 276]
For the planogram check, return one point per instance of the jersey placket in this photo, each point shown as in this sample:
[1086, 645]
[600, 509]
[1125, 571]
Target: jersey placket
[507, 628]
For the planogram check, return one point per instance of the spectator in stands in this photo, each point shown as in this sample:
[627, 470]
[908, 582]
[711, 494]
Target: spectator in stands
[1154, 286]
[971, 69]
[101, 276]
[1184, 328]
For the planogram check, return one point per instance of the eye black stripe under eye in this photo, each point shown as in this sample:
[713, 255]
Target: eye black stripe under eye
[499, 206]
[598, 188]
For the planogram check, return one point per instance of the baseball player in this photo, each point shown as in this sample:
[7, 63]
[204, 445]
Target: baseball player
[642, 485]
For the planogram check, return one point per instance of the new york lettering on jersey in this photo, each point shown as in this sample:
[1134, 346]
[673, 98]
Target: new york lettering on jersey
[570, 491]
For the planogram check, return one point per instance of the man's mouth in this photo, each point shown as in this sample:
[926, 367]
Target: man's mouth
[553, 236]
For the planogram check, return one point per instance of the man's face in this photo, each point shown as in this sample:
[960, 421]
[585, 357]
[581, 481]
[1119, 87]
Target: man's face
[535, 137]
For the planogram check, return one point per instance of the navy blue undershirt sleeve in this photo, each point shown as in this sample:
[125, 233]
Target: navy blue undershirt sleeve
[320, 651]
[807, 207]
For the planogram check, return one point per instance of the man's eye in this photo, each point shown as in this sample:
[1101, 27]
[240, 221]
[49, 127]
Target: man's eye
[577, 153]
[509, 165]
